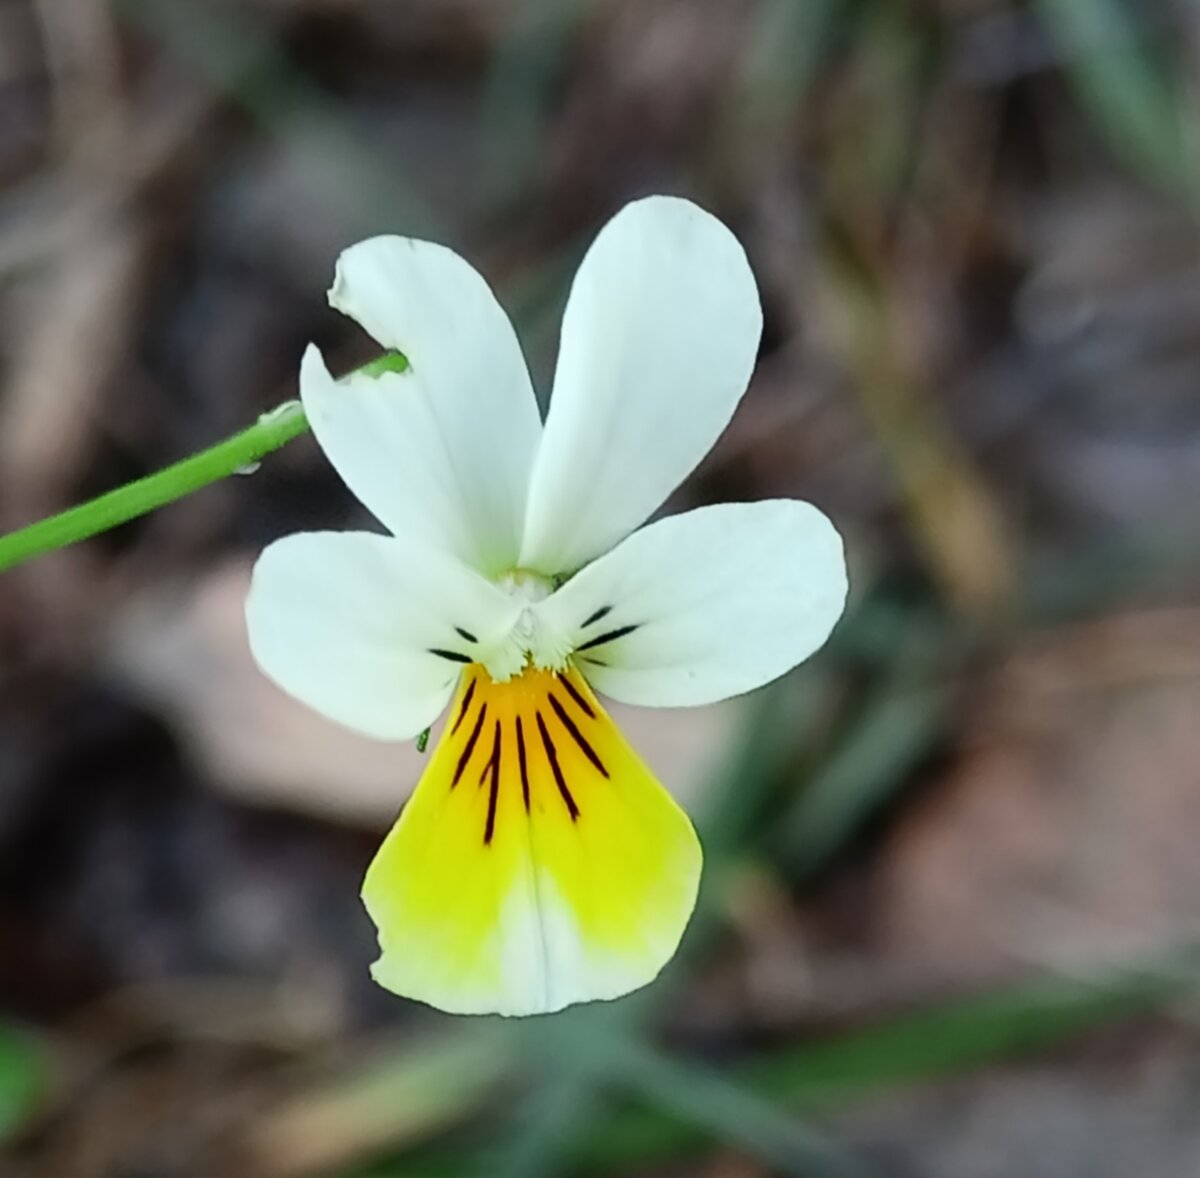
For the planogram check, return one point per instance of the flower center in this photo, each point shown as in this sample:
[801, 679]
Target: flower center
[528, 635]
[525, 586]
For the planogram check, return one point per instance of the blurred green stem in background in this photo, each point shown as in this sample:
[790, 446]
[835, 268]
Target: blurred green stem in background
[237, 454]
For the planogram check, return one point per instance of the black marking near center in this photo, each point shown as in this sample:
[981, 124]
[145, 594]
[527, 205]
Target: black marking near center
[602, 612]
[608, 636]
[493, 789]
[577, 736]
[470, 747]
[524, 766]
[466, 703]
[574, 693]
[451, 655]
[556, 769]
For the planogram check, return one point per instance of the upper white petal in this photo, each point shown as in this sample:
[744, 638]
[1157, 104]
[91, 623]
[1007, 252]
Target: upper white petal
[347, 622]
[658, 343]
[443, 452]
[722, 600]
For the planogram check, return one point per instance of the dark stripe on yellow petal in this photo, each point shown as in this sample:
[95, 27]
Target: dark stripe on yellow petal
[494, 790]
[466, 753]
[559, 780]
[466, 703]
[522, 762]
[610, 636]
[576, 735]
[575, 694]
[602, 612]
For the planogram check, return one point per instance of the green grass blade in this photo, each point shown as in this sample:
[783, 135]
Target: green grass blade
[735, 1114]
[24, 1075]
[935, 1042]
[894, 733]
[1129, 85]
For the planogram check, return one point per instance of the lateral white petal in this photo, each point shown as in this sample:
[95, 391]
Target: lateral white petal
[658, 343]
[347, 622]
[704, 605]
[442, 452]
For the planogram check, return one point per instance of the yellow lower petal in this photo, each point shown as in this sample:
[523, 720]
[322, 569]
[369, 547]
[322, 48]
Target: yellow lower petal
[539, 862]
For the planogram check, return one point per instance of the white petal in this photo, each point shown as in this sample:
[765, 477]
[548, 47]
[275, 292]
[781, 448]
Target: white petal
[721, 600]
[347, 623]
[658, 343]
[443, 452]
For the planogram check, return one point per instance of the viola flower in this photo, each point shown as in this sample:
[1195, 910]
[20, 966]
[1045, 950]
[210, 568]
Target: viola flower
[539, 863]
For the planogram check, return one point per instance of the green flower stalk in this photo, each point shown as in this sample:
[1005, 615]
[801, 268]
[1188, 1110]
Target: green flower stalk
[240, 452]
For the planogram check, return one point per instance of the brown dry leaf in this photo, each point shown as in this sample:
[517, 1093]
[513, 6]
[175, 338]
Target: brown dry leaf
[1066, 831]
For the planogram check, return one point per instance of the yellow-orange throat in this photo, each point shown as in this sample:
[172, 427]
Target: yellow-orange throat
[556, 708]
[538, 862]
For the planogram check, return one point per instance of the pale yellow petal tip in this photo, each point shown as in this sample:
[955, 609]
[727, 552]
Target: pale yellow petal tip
[538, 865]
[569, 975]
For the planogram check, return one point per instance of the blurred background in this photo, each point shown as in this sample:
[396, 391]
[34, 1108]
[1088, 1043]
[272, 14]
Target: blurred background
[949, 922]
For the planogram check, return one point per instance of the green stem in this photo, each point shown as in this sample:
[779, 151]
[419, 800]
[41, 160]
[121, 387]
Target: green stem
[272, 430]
